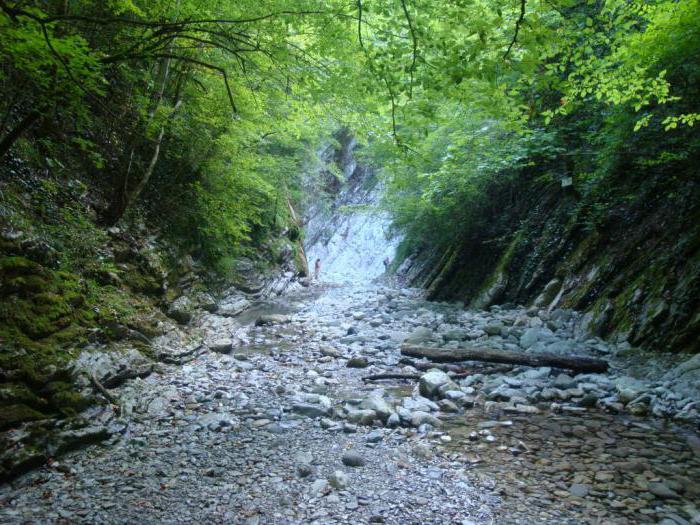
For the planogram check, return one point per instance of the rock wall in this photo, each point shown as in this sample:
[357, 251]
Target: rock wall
[633, 268]
[350, 235]
[83, 309]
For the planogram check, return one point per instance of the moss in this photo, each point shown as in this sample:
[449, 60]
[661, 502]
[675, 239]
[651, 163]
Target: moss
[13, 415]
[487, 294]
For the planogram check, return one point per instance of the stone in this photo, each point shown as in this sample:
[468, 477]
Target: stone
[271, 319]
[494, 328]
[661, 490]
[378, 405]
[232, 305]
[357, 362]
[330, 352]
[393, 421]
[361, 417]
[181, 310]
[374, 437]
[419, 336]
[304, 470]
[310, 410]
[529, 337]
[318, 487]
[580, 490]
[353, 459]
[221, 346]
[339, 480]
[522, 409]
[430, 383]
[564, 381]
[419, 418]
[448, 406]
[629, 388]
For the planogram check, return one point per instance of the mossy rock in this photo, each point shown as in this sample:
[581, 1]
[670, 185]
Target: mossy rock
[14, 415]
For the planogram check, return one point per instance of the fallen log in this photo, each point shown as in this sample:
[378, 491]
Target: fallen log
[380, 377]
[571, 362]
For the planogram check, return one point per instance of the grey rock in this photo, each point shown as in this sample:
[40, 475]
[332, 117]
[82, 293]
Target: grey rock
[419, 418]
[580, 490]
[181, 310]
[430, 383]
[378, 405]
[339, 480]
[318, 487]
[661, 490]
[221, 346]
[361, 417]
[271, 319]
[310, 410]
[419, 335]
[330, 352]
[353, 459]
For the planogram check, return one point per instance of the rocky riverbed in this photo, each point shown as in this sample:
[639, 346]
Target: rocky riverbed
[264, 417]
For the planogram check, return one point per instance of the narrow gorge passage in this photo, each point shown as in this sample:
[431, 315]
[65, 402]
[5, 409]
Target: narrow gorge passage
[285, 430]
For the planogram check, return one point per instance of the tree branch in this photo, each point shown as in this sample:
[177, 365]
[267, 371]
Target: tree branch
[518, 23]
[415, 46]
[208, 66]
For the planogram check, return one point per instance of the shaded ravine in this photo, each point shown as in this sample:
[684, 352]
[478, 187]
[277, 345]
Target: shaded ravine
[283, 430]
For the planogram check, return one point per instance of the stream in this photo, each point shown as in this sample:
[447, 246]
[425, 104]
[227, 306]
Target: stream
[283, 429]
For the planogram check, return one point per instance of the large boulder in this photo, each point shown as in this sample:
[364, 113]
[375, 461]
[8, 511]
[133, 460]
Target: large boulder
[181, 310]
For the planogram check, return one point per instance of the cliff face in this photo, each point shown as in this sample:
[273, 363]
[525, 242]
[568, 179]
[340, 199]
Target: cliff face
[350, 235]
[633, 268]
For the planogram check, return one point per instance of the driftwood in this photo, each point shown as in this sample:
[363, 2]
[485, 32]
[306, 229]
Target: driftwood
[453, 375]
[576, 363]
[456, 369]
[102, 390]
[379, 377]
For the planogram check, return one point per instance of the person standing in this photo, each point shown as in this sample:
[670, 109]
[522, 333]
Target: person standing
[317, 269]
[387, 263]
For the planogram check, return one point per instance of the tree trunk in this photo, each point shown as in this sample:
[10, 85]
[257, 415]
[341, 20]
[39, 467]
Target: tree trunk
[26, 123]
[127, 194]
[575, 363]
